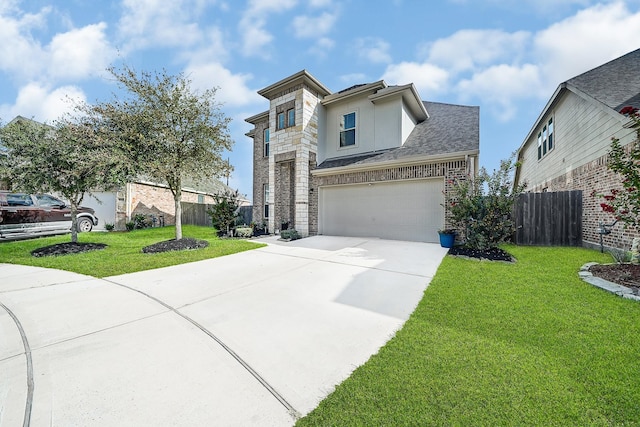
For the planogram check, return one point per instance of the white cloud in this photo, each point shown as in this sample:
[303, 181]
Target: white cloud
[21, 54]
[80, 53]
[428, 79]
[322, 47]
[320, 3]
[42, 103]
[160, 23]
[251, 27]
[372, 49]
[497, 69]
[308, 27]
[233, 90]
[588, 39]
[500, 86]
[468, 49]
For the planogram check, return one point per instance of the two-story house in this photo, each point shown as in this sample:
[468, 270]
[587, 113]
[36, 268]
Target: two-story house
[372, 160]
[567, 147]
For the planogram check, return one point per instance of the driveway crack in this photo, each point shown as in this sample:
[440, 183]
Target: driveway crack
[292, 411]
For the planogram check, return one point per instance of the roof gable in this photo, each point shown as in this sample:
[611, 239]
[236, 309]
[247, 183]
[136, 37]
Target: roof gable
[448, 131]
[615, 84]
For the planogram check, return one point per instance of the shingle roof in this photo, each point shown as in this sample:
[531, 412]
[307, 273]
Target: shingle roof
[615, 84]
[449, 129]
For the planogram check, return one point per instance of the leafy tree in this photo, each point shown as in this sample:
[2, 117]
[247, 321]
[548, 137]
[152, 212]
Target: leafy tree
[225, 210]
[482, 206]
[170, 131]
[624, 203]
[69, 157]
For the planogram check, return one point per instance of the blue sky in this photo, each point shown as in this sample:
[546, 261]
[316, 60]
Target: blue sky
[505, 56]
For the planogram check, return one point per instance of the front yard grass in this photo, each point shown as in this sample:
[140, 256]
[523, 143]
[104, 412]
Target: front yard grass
[123, 254]
[499, 344]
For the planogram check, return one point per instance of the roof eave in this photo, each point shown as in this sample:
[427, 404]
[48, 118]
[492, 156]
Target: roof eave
[411, 97]
[302, 76]
[406, 161]
[336, 97]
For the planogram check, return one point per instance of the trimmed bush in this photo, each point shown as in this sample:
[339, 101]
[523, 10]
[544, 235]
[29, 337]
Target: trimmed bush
[289, 234]
[244, 232]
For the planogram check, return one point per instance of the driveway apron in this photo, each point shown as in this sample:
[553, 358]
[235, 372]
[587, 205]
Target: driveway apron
[255, 338]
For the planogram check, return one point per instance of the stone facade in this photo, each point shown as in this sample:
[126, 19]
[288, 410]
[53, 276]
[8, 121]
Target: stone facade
[594, 178]
[292, 154]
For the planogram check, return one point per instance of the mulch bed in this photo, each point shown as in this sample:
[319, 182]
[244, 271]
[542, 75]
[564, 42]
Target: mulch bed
[67, 248]
[493, 254]
[186, 243]
[623, 274]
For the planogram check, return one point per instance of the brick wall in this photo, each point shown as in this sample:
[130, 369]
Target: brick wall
[156, 200]
[594, 177]
[260, 171]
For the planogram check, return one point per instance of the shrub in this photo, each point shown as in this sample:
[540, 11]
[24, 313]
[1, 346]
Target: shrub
[109, 227]
[244, 232]
[224, 212]
[130, 225]
[140, 221]
[624, 204]
[481, 207]
[289, 234]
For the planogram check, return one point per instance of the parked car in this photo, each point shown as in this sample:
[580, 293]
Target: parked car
[28, 215]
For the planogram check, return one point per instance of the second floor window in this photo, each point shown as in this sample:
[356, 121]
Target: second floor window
[348, 130]
[266, 142]
[545, 139]
[291, 117]
[280, 121]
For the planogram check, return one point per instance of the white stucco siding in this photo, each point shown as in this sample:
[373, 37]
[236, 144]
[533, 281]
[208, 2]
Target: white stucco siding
[408, 123]
[388, 128]
[365, 127]
[582, 133]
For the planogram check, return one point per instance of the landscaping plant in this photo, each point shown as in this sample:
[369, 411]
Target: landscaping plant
[481, 207]
[225, 210]
[624, 204]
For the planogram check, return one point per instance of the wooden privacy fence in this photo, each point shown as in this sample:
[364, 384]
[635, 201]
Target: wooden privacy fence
[196, 214]
[549, 219]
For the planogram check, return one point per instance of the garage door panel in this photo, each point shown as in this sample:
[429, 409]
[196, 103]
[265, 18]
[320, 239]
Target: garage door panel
[409, 210]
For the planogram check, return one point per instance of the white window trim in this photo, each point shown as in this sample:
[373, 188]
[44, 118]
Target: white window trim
[542, 138]
[340, 117]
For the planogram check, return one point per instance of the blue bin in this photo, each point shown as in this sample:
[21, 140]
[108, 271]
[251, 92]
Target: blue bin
[447, 240]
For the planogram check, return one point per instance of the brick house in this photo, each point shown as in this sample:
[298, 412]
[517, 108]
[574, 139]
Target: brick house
[371, 160]
[566, 149]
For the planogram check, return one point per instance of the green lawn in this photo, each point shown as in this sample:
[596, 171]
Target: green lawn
[123, 255]
[493, 344]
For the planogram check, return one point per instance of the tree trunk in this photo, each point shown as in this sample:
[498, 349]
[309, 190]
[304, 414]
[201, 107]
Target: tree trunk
[177, 198]
[74, 223]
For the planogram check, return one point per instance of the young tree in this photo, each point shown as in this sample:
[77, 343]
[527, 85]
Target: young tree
[225, 210]
[170, 131]
[624, 203]
[482, 206]
[68, 157]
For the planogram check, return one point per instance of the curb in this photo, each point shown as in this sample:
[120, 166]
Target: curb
[614, 288]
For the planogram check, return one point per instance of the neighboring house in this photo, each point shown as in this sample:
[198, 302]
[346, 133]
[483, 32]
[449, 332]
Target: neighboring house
[371, 160]
[566, 149]
[153, 200]
[141, 196]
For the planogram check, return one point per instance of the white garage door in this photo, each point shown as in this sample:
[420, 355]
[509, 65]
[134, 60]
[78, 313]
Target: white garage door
[407, 210]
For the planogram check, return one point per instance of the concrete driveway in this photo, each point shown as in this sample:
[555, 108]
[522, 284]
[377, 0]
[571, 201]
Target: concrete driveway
[256, 338]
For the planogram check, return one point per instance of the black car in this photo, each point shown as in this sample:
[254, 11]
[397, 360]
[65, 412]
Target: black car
[28, 215]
